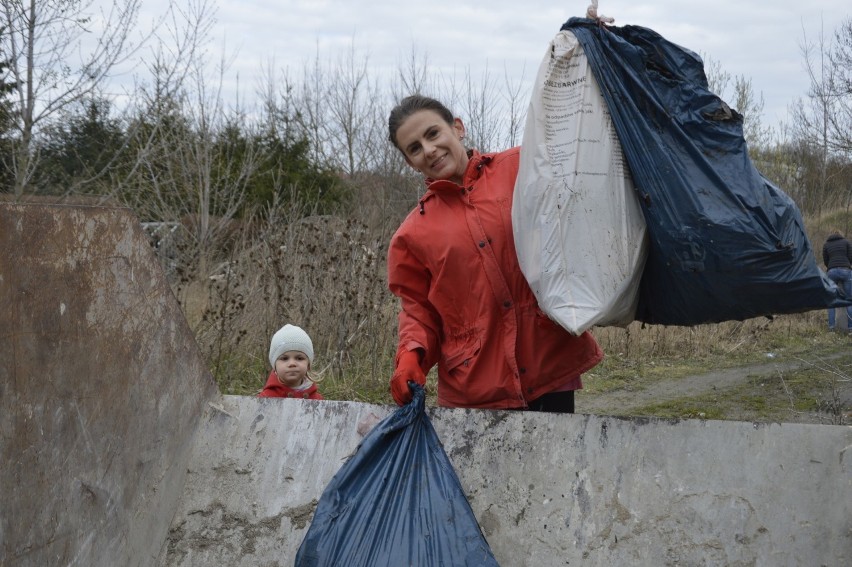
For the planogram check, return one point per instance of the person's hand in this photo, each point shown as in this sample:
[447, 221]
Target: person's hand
[407, 369]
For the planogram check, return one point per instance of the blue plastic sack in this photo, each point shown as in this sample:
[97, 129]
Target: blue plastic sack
[397, 502]
[725, 243]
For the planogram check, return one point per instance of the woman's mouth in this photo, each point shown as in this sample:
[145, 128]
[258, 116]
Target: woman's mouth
[437, 163]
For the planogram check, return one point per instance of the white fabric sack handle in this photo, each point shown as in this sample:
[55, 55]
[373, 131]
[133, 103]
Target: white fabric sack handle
[592, 14]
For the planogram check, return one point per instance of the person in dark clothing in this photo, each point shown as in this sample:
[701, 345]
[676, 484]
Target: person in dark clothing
[837, 256]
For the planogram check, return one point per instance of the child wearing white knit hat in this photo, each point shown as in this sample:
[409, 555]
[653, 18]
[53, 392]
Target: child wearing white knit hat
[291, 353]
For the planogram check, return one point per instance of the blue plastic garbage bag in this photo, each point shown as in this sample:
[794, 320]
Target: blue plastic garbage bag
[725, 243]
[397, 502]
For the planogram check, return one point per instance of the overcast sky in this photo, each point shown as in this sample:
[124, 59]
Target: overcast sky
[762, 42]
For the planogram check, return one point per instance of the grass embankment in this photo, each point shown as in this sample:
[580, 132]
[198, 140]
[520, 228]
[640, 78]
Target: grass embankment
[326, 274]
[815, 389]
[786, 369]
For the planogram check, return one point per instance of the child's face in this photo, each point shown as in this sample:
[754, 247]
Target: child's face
[292, 368]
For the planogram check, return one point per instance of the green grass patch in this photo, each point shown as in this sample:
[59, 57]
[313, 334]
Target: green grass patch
[618, 373]
[683, 408]
[815, 393]
[241, 375]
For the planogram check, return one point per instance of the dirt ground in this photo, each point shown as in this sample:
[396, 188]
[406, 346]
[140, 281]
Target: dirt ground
[757, 393]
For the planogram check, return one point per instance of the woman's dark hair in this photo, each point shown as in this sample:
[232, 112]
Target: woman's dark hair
[411, 104]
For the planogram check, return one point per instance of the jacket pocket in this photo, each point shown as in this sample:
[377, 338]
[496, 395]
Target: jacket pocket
[460, 354]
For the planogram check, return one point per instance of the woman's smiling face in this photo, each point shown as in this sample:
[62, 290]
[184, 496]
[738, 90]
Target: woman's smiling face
[432, 146]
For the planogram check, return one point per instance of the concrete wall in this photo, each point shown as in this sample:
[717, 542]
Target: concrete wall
[548, 490]
[117, 449]
[101, 389]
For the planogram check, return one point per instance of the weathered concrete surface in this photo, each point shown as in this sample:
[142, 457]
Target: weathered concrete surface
[257, 471]
[101, 389]
[548, 490]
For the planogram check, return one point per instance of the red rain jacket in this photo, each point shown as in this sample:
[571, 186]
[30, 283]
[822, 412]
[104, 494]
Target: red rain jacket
[466, 303]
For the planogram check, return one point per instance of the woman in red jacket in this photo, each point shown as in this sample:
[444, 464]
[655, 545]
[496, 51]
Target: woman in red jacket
[465, 303]
[291, 352]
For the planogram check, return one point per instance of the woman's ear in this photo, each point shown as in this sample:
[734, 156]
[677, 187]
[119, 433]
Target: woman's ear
[458, 126]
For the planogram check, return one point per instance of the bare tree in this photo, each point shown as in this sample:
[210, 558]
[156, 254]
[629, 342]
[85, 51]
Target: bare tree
[718, 79]
[354, 119]
[412, 75]
[194, 156]
[815, 123]
[750, 105]
[517, 101]
[738, 92]
[481, 111]
[58, 53]
[841, 62]
[312, 103]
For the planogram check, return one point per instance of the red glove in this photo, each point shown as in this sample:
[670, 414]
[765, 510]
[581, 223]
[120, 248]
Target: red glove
[407, 369]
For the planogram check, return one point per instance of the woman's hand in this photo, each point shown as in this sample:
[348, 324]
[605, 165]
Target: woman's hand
[407, 370]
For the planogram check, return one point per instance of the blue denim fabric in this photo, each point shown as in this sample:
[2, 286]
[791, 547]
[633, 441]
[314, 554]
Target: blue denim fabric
[843, 278]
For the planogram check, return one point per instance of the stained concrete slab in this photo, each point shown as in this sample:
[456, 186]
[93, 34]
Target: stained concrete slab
[548, 490]
[101, 389]
[116, 448]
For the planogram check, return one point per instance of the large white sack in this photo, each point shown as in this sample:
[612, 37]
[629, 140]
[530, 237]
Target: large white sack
[579, 231]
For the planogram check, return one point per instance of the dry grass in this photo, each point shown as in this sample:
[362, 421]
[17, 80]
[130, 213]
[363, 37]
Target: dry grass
[327, 274]
[323, 273]
[729, 343]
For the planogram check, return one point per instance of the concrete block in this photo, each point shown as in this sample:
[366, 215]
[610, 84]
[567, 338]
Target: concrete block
[101, 388]
[548, 490]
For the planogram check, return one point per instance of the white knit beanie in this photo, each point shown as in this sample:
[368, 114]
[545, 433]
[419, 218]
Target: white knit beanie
[290, 337]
